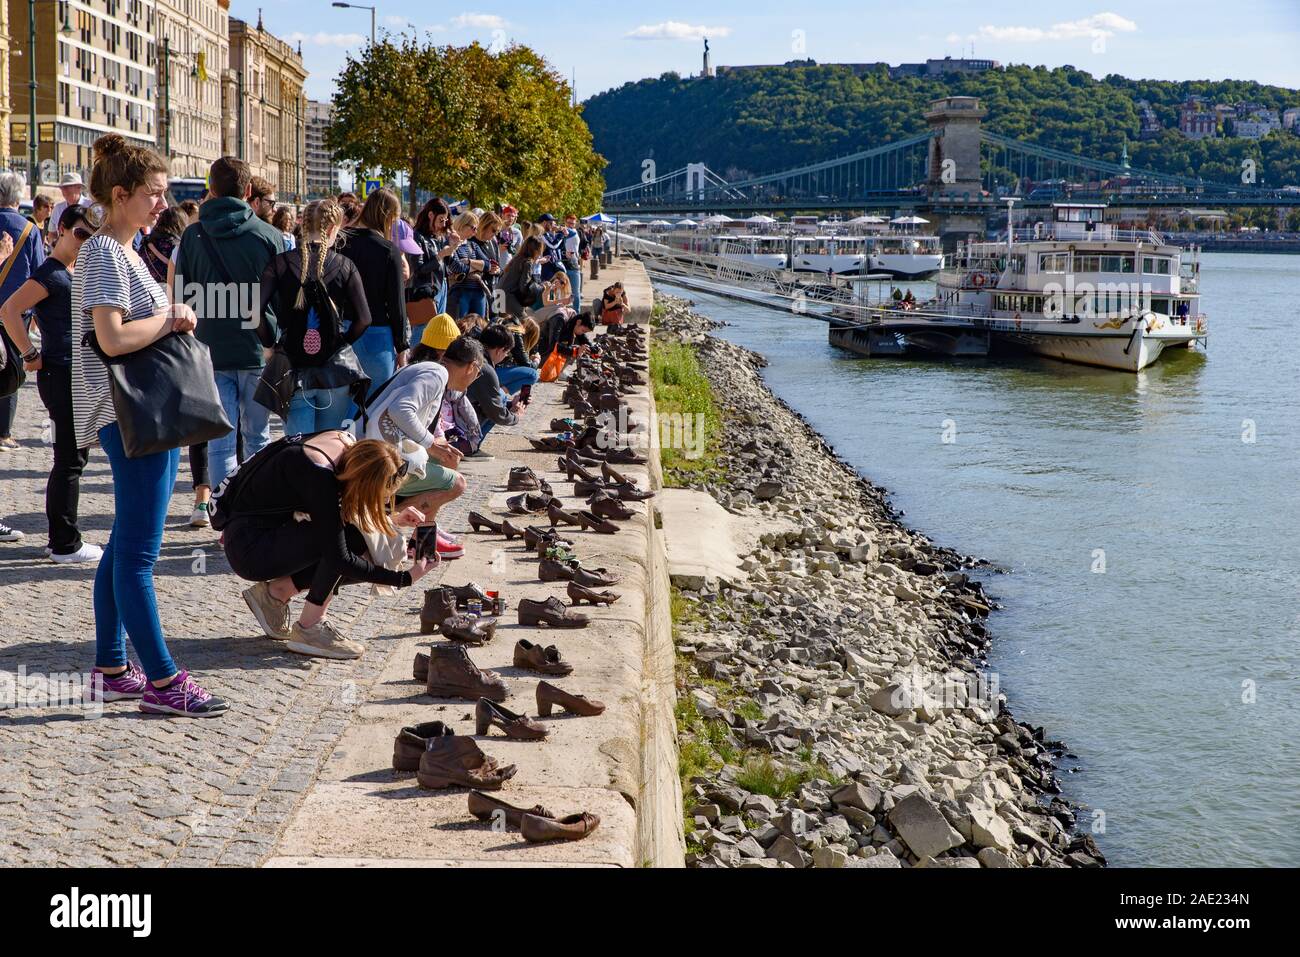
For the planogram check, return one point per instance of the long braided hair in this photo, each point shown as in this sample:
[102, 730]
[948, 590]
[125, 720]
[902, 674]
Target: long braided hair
[318, 221]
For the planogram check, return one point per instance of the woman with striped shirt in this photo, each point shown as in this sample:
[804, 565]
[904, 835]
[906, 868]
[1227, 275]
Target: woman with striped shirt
[114, 296]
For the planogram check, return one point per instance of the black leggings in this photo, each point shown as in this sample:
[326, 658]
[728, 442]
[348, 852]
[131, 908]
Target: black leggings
[63, 489]
[257, 553]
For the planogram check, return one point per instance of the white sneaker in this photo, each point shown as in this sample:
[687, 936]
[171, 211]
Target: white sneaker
[8, 534]
[201, 516]
[86, 554]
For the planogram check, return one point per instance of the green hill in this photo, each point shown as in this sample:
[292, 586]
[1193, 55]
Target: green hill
[765, 120]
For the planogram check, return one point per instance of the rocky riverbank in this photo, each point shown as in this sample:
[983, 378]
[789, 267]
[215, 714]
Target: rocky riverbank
[833, 708]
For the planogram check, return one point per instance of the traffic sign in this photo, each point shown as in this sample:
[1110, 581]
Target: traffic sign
[371, 186]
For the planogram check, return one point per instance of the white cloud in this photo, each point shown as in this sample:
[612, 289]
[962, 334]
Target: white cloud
[328, 39]
[489, 21]
[393, 21]
[1097, 25]
[674, 30]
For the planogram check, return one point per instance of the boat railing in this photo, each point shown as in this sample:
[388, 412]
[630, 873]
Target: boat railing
[1075, 232]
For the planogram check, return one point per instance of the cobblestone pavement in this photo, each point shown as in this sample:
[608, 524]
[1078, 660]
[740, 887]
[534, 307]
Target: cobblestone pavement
[126, 788]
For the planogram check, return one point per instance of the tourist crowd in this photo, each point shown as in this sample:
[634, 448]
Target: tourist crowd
[387, 348]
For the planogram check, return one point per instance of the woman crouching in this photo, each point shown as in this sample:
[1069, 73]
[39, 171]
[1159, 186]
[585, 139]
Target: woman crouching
[294, 518]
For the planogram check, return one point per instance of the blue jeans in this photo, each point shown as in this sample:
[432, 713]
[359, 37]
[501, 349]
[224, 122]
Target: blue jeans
[465, 298]
[441, 298]
[514, 378]
[315, 410]
[377, 355]
[575, 280]
[123, 595]
[236, 388]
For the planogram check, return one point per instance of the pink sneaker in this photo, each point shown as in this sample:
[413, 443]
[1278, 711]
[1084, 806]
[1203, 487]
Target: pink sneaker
[129, 684]
[182, 697]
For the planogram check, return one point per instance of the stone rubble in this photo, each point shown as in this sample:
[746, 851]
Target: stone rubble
[860, 642]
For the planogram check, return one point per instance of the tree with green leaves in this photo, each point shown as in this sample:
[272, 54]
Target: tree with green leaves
[466, 122]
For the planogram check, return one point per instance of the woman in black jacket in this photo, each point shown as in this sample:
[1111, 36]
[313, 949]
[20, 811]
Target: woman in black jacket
[382, 347]
[432, 229]
[320, 305]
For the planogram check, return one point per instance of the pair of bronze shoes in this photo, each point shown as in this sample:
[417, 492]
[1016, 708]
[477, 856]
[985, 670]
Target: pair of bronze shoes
[556, 570]
[448, 672]
[605, 505]
[552, 612]
[530, 503]
[545, 660]
[584, 518]
[535, 824]
[442, 759]
[624, 492]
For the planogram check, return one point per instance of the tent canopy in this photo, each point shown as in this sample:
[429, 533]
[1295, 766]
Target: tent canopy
[760, 218]
[863, 220]
[599, 218]
[909, 221]
[687, 222]
[718, 218]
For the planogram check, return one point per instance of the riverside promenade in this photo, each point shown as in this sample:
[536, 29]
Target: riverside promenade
[298, 772]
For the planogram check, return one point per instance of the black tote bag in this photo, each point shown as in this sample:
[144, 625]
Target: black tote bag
[12, 374]
[165, 395]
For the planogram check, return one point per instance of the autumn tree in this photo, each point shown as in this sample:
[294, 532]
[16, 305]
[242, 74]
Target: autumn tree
[468, 122]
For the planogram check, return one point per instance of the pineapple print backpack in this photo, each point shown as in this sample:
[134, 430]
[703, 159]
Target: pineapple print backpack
[313, 334]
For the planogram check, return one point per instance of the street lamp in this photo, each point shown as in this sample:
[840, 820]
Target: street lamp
[66, 31]
[361, 6]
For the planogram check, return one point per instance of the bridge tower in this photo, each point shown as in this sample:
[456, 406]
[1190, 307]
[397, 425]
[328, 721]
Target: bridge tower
[957, 202]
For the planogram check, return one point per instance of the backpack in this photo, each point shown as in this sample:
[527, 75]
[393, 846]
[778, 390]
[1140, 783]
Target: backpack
[320, 333]
[226, 495]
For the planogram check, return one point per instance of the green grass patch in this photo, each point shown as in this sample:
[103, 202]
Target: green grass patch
[681, 388]
[763, 775]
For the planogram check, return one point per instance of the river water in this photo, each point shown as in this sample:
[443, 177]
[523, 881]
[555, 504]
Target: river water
[1148, 525]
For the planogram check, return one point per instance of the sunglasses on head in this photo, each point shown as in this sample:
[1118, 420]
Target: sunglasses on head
[82, 233]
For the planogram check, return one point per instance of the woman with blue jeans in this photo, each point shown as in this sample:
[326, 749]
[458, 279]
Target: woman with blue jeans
[320, 307]
[114, 296]
[381, 348]
[466, 269]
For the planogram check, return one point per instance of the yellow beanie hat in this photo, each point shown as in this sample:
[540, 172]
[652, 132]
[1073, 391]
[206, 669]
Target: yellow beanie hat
[440, 332]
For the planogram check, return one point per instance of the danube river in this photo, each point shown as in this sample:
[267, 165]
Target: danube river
[1150, 532]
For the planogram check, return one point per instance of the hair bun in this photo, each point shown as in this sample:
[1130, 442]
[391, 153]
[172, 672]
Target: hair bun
[108, 144]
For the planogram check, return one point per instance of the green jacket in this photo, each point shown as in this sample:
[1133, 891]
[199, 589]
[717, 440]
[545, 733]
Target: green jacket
[245, 245]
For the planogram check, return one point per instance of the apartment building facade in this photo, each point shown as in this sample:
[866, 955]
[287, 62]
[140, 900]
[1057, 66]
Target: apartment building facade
[265, 111]
[193, 48]
[322, 171]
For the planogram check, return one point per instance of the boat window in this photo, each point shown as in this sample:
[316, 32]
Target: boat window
[1155, 265]
[1052, 262]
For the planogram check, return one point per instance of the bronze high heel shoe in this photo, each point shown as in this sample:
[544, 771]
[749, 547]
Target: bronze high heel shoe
[612, 475]
[517, 727]
[571, 467]
[478, 522]
[510, 530]
[580, 593]
[559, 516]
[484, 807]
[596, 523]
[549, 696]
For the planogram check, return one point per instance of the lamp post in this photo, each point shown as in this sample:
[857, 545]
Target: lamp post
[360, 6]
[67, 31]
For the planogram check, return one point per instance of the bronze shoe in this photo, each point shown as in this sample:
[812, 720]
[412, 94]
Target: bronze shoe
[453, 675]
[596, 523]
[558, 516]
[484, 807]
[580, 593]
[510, 530]
[571, 467]
[458, 761]
[629, 493]
[412, 742]
[420, 669]
[604, 505]
[552, 612]
[555, 570]
[613, 476]
[523, 479]
[625, 456]
[575, 827]
[517, 727]
[469, 630]
[479, 522]
[439, 605]
[530, 503]
[549, 696]
[546, 661]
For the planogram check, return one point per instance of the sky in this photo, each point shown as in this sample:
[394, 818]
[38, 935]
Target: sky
[605, 44]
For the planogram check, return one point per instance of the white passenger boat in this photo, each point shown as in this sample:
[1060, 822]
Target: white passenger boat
[1079, 289]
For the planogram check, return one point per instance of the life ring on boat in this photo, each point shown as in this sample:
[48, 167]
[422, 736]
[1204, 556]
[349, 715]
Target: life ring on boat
[978, 280]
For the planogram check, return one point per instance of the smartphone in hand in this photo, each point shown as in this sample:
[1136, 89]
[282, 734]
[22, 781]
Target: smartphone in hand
[424, 543]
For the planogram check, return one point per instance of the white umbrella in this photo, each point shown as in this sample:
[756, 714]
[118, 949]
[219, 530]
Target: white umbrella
[660, 222]
[718, 218]
[760, 218]
[909, 221]
[632, 222]
[687, 222]
[863, 220]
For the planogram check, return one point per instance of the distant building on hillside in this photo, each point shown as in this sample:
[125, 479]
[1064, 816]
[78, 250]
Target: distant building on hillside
[1195, 121]
[1151, 127]
[1291, 119]
[1253, 121]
